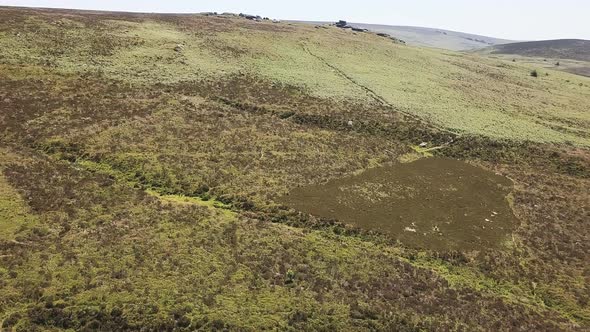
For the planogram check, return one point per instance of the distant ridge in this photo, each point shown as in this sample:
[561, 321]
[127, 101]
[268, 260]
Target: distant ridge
[431, 37]
[574, 49]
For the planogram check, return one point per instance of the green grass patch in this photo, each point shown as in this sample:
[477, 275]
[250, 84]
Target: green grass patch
[14, 214]
[210, 203]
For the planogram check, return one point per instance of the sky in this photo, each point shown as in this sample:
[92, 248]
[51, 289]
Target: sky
[508, 19]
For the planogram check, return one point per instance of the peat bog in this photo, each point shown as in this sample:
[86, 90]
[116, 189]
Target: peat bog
[432, 203]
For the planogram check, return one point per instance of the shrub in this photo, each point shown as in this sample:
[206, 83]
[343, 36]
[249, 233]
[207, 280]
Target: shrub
[534, 73]
[290, 277]
[286, 115]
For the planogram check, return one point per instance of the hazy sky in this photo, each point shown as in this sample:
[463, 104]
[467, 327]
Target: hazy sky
[511, 19]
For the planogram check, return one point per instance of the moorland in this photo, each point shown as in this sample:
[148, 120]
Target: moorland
[146, 161]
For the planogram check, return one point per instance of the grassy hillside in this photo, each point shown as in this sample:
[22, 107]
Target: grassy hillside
[461, 93]
[573, 49]
[438, 38]
[142, 157]
[576, 67]
[569, 55]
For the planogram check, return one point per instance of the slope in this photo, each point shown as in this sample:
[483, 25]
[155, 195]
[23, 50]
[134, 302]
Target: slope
[142, 157]
[574, 49]
[439, 38]
[428, 37]
[461, 93]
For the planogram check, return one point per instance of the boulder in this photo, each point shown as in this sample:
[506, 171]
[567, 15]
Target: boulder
[250, 17]
[397, 40]
[341, 24]
[385, 35]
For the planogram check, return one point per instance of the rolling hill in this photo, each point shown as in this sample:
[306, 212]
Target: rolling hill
[574, 49]
[568, 55]
[165, 172]
[430, 37]
[439, 38]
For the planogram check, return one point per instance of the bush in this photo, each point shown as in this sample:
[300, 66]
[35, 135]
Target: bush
[534, 73]
[289, 277]
[286, 115]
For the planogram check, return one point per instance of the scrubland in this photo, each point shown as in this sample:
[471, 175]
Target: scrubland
[142, 157]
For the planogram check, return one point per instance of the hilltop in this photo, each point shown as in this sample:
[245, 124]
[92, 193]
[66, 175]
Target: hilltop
[156, 173]
[429, 37]
[438, 38]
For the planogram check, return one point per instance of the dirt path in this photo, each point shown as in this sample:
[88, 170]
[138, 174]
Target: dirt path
[374, 95]
[369, 92]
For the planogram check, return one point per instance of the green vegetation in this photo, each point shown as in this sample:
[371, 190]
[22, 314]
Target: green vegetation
[139, 180]
[568, 55]
[466, 94]
[13, 212]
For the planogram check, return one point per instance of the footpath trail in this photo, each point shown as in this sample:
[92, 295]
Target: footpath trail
[375, 96]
